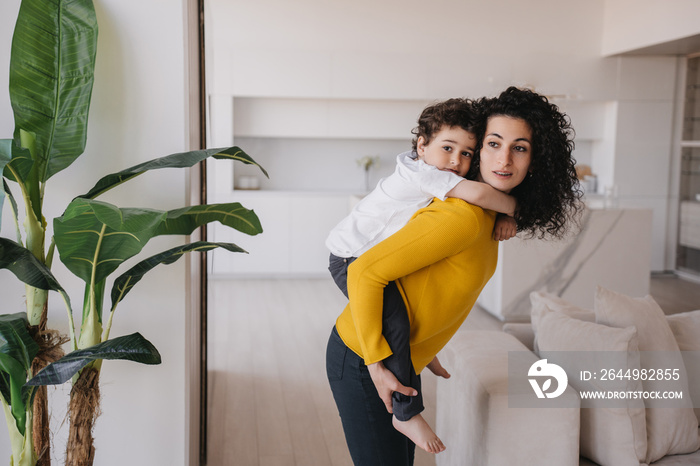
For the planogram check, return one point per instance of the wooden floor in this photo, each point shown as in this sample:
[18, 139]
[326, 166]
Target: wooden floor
[675, 295]
[270, 404]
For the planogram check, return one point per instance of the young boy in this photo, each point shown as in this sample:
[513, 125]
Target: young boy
[441, 157]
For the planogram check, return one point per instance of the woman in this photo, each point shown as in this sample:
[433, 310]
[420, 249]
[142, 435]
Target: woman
[441, 261]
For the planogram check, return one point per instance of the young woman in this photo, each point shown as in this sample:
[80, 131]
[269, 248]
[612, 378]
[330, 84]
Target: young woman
[442, 152]
[441, 261]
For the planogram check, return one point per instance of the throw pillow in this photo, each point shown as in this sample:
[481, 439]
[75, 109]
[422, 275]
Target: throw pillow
[543, 302]
[609, 435]
[670, 430]
[686, 328]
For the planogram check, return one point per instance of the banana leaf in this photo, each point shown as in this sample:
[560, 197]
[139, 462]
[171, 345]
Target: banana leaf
[5, 157]
[13, 206]
[93, 237]
[30, 270]
[123, 284]
[15, 340]
[179, 160]
[184, 221]
[21, 163]
[17, 350]
[132, 347]
[51, 77]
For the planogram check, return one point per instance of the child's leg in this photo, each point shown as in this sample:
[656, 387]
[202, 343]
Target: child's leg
[397, 330]
[338, 267]
[407, 418]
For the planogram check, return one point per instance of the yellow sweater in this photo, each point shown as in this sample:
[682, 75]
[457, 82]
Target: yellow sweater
[441, 261]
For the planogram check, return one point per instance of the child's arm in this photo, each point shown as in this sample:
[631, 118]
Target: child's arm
[484, 196]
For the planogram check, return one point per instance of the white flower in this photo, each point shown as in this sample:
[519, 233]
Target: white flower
[368, 161]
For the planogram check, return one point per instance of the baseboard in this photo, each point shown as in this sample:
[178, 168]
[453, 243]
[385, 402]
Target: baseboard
[689, 276]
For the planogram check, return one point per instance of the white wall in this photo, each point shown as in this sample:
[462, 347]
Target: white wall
[406, 50]
[634, 24]
[138, 112]
[329, 70]
[364, 70]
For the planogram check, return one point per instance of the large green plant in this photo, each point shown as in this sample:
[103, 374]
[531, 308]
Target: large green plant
[51, 77]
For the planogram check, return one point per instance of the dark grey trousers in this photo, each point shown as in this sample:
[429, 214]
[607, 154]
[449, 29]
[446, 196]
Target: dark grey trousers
[369, 432]
[396, 330]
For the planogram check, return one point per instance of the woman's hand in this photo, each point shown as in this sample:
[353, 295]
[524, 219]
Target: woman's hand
[437, 369]
[386, 383]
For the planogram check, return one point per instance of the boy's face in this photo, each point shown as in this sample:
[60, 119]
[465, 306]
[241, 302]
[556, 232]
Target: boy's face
[451, 149]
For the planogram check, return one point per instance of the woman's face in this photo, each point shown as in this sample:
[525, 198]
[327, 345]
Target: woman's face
[506, 152]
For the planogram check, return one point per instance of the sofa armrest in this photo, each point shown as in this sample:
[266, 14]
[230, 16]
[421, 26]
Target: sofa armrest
[522, 332]
[473, 417]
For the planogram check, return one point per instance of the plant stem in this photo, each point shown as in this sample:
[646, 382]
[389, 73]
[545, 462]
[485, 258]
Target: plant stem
[108, 327]
[50, 252]
[90, 330]
[22, 445]
[71, 328]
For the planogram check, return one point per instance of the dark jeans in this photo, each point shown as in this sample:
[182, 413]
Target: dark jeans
[396, 329]
[369, 433]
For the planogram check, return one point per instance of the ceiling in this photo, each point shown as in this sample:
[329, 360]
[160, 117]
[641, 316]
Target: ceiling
[685, 46]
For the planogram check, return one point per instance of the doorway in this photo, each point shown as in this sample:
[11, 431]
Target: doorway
[688, 253]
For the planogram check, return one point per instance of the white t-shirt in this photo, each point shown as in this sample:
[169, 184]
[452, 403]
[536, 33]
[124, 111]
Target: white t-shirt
[386, 209]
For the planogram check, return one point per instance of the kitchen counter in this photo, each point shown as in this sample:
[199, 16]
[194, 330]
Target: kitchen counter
[612, 249]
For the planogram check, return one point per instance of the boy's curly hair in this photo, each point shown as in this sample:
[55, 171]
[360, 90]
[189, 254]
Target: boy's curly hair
[450, 113]
[550, 197]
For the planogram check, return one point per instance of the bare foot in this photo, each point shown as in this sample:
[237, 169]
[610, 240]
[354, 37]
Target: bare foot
[420, 433]
[437, 369]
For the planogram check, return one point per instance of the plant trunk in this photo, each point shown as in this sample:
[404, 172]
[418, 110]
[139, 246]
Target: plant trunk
[50, 350]
[83, 411]
[40, 430]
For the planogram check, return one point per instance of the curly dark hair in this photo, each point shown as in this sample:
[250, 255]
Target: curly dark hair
[549, 199]
[449, 113]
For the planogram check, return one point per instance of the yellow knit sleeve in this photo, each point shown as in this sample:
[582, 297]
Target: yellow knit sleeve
[441, 230]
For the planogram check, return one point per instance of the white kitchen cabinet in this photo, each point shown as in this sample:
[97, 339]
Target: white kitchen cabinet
[295, 226]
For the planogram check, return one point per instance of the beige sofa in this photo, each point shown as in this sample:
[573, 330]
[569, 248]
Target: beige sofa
[477, 413]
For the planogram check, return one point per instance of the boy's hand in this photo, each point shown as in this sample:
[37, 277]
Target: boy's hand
[504, 228]
[437, 369]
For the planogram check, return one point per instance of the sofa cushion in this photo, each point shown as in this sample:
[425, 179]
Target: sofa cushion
[670, 430]
[686, 328]
[543, 302]
[609, 435]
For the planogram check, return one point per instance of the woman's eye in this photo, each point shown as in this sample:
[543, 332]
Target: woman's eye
[521, 149]
[492, 144]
